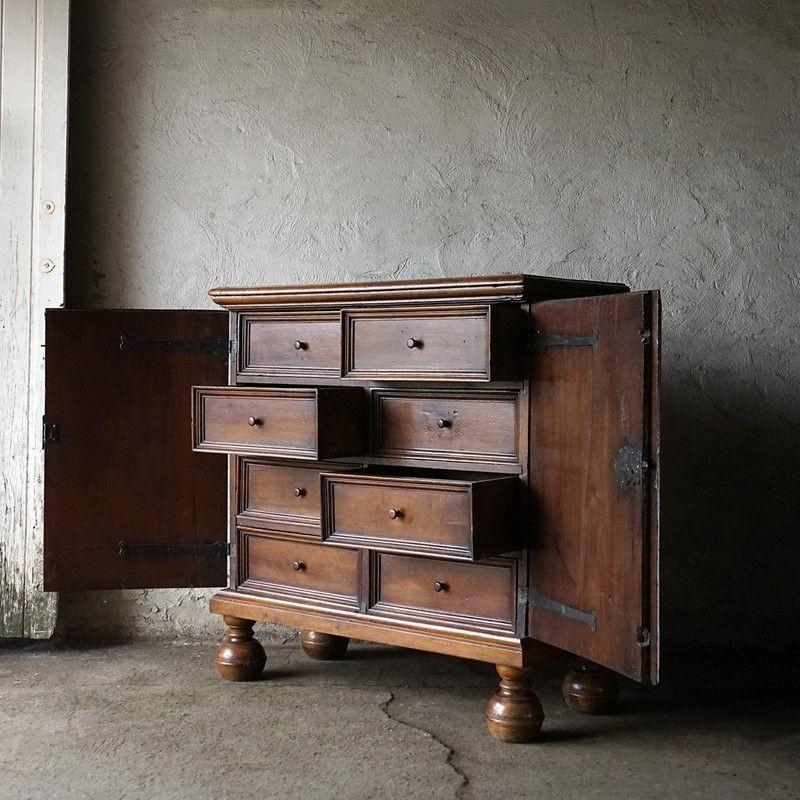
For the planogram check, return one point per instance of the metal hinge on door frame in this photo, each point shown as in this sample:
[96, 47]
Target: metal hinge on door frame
[49, 432]
[588, 618]
[546, 341]
[219, 549]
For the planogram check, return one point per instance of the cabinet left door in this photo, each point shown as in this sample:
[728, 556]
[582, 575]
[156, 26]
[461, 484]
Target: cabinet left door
[127, 504]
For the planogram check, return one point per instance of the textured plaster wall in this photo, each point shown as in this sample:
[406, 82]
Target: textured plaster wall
[654, 143]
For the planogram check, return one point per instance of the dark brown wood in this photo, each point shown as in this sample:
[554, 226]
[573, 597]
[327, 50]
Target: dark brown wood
[458, 343]
[298, 570]
[281, 497]
[593, 416]
[122, 466]
[281, 422]
[450, 594]
[590, 689]
[479, 289]
[458, 515]
[514, 713]
[323, 646]
[276, 345]
[482, 426]
[240, 657]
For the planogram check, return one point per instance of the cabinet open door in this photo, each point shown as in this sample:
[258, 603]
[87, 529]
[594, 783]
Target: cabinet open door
[594, 474]
[127, 504]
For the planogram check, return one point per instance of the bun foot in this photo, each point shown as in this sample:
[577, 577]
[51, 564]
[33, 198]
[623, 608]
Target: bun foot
[514, 714]
[240, 657]
[323, 646]
[591, 689]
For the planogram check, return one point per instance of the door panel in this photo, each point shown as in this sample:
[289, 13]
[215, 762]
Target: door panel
[119, 466]
[593, 434]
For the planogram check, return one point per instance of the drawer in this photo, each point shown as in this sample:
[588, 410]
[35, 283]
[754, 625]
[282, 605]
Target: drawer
[305, 423]
[470, 343]
[280, 497]
[297, 570]
[455, 515]
[299, 344]
[470, 427]
[478, 596]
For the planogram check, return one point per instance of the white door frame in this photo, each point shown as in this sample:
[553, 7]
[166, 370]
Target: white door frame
[34, 39]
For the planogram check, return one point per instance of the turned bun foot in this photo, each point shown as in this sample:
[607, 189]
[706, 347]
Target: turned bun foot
[240, 657]
[591, 689]
[514, 714]
[323, 646]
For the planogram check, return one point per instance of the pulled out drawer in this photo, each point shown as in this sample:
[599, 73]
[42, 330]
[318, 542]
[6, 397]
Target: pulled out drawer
[281, 422]
[457, 515]
[445, 593]
[463, 343]
[298, 571]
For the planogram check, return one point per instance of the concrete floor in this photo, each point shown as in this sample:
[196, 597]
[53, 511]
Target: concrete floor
[152, 720]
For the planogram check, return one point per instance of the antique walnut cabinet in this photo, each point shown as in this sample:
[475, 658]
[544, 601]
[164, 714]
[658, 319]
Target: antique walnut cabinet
[467, 466]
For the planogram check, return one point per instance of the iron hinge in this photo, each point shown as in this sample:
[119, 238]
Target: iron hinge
[49, 432]
[645, 335]
[643, 636]
[631, 468]
[218, 347]
[545, 341]
[219, 549]
[588, 618]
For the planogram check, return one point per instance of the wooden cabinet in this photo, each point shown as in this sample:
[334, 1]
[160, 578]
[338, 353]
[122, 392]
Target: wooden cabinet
[467, 466]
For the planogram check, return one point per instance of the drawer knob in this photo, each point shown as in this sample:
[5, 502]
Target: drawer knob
[445, 423]
[298, 345]
[254, 421]
[412, 343]
[298, 565]
[395, 513]
[440, 586]
[299, 491]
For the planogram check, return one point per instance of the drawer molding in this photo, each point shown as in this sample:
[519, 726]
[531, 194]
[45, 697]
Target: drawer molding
[318, 333]
[413, 609]
[422, 344]
[465, 517]
[416, 435]
[306, 423]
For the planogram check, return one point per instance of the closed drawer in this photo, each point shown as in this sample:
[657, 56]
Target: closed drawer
[280, 497]
[297, 570]
[306, 423]
[299, 344]
[465, 517]
[448, 593]
[470, 427]
[471, 343]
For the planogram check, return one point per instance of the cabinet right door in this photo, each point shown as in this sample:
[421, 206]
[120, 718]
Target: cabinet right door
[594, 477]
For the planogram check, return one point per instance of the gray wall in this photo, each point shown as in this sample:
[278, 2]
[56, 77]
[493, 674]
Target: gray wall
[654, 143]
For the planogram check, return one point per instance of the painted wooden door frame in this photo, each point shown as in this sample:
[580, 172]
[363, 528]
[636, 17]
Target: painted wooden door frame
[34, 38]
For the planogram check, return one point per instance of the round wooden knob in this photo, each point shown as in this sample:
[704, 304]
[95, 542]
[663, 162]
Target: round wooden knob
[395, 513]
[299, 491]
[444, 423]
[439, 586]
[412, 343]
[298, 345]
[253, 421]
[298, 565]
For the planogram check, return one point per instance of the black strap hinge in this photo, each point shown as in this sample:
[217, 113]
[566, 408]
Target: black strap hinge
[588, 618]
[545, 341]
[219, 549]
[49, 432]
[218, 347]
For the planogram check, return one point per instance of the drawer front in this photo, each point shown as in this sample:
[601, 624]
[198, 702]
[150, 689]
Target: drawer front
[476, 596]
[457, 515]
[303, 423]
[471, 427]
[280, 497]
[300, 344]
[443, 344]
[298, 570]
